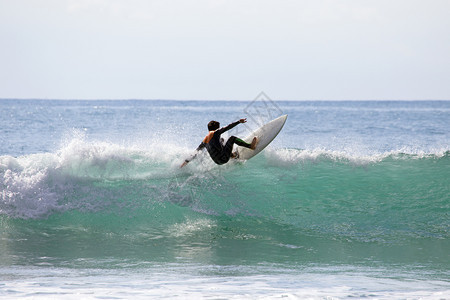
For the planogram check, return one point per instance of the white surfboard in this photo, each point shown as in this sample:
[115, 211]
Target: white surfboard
[265, 134]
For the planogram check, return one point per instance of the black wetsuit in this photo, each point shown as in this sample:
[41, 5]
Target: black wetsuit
[219, 152]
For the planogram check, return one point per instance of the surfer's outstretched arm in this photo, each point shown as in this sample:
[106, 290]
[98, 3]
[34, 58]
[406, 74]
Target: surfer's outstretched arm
[229, 126]
[187, 160]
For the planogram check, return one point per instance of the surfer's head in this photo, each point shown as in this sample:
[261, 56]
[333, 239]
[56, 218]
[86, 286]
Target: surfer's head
[213, 125]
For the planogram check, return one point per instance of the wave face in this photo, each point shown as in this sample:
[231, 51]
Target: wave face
[97, 184]
[312, 201]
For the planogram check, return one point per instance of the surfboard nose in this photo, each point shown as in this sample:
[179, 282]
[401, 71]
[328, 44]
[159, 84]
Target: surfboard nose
[265, 135]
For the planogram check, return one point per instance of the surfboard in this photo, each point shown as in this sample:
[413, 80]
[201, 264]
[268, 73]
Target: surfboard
[265, 134]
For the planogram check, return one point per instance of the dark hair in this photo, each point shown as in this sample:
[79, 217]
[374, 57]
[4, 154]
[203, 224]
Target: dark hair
[213, 125]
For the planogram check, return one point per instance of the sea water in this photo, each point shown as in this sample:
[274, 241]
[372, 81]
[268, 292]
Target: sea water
[352, 199]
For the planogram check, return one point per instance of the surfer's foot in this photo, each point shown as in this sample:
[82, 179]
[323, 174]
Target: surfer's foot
[235, 155]
[254, 143]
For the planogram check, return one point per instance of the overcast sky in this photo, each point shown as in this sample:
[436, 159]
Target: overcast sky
[230, 49]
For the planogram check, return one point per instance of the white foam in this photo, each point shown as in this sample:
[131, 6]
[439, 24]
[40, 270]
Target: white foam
[290, 157]
[33, 186]
[23, 194]
[177, 281]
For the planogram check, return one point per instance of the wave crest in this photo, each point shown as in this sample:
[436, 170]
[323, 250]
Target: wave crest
[289, 157]
[102, 176]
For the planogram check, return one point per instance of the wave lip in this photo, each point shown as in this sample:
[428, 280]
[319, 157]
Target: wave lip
[289, 156]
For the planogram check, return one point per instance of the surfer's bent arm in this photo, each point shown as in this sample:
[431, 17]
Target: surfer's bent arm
[199, 148]
[229, 126]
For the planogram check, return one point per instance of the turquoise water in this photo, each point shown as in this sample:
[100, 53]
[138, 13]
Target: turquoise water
[351, 200]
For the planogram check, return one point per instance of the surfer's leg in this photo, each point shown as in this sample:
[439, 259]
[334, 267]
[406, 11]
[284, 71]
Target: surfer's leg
[238, 141]
[228, 148]
[252, 146]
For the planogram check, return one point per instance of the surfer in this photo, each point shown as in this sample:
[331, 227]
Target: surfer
[220, 152]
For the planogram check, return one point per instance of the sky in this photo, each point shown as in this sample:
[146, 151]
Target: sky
[225, 49]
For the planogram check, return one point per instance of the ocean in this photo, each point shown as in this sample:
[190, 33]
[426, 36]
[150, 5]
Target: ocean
[351, 200]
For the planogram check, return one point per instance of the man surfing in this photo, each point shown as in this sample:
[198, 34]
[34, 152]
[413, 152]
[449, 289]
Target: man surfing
[220, 152]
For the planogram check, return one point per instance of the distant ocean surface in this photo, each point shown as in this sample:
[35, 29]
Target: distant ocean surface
[351, 200]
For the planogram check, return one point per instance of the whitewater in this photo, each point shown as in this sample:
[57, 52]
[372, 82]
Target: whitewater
[351, 200]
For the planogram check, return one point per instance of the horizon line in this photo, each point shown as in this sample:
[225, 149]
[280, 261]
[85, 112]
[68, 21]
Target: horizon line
[239, 100]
